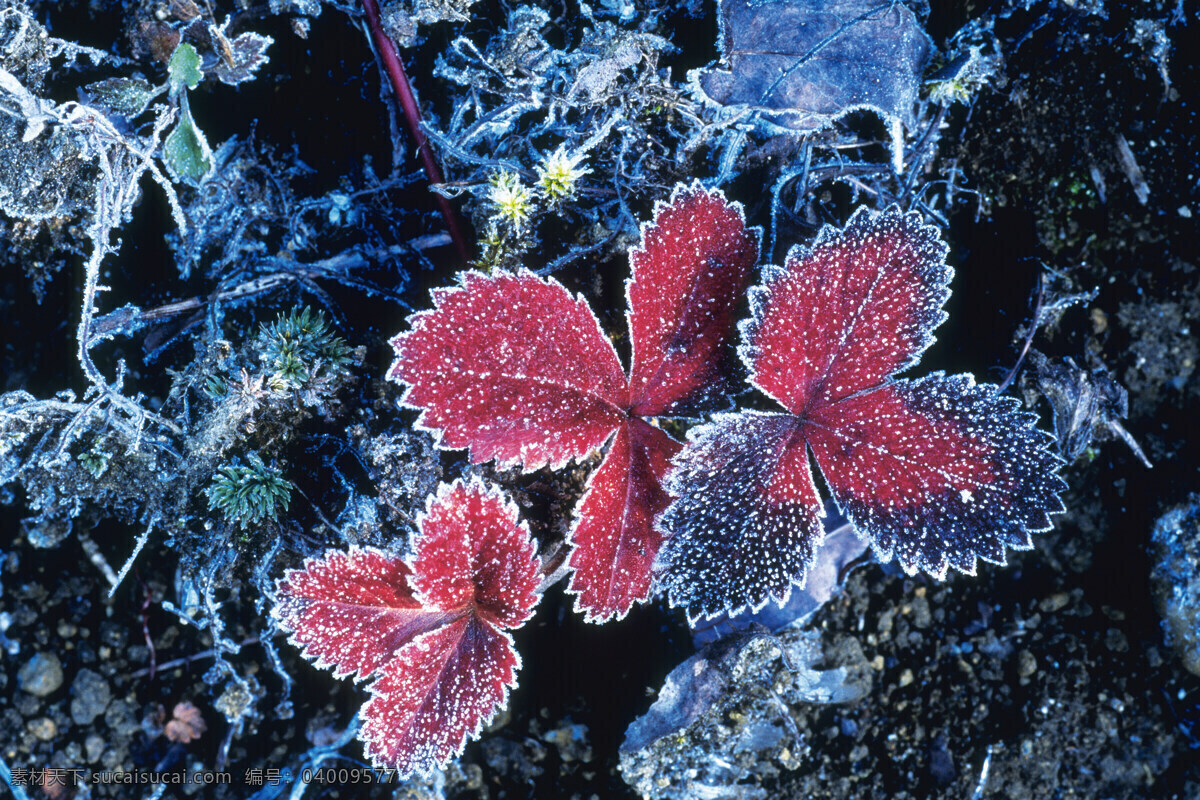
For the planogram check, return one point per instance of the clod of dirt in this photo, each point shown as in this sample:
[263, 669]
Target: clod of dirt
[723, 723]
[90, 696]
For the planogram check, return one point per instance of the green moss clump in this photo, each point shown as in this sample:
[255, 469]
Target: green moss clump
[300, 346]
[251, 494]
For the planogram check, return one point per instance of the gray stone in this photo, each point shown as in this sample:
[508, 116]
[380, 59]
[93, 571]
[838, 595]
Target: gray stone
[94, 745]
[1175, 578]
[90, 696]
[41, 675]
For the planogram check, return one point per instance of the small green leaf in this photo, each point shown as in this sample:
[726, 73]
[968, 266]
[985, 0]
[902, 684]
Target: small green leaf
[186, 151]
[184, 68]
[128, 97]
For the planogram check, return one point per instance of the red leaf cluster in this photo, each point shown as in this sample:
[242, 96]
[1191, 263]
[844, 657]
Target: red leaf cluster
[513, 368]
[431, 630]
[936, 472]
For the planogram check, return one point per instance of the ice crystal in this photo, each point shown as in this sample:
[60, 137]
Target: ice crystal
[515, 369]
[431, 630]
[937, 472]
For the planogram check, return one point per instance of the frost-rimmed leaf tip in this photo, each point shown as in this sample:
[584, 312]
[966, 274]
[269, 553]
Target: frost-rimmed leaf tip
[935, 472]
[431, 630]
[514, 368]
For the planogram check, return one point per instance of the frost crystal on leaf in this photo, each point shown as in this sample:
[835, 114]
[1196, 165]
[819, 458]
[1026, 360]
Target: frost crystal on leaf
[514, 368]
[937, 472]
[431, 630]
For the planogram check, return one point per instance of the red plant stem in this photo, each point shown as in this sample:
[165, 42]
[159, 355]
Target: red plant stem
[412, 116]
[146, 627]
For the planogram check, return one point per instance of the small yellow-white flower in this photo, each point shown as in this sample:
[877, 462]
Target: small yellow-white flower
[513, 199]
[559, 173]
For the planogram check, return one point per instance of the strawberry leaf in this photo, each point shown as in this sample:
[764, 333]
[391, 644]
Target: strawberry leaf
[437, 692]
[514, 368]
[688, 276]
[350, 610]
[938, 472]
[857, 306]
[472, 551]
[614, 540]
[432, 630]
[745, 521]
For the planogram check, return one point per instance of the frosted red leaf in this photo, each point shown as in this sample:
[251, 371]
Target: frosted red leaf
[745, 520]
[936, 472]
[431, 630]
[436, 693]
[614, 539]
[351, 609]
[858, 305]
[472, 551]
[688, 277]
[514, 368]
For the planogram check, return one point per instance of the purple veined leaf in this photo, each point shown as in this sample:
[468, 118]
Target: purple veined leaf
[936, 472]
[745, 519]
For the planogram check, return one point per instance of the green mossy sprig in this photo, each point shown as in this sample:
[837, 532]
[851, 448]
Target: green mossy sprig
[300, 346]
[250, 494]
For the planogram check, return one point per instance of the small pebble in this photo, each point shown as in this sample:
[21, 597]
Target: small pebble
[44, 728]
[906, 678]
[94, 746]
[90, 696]
[41, 675]
[1054, 602]
[1026, 664]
